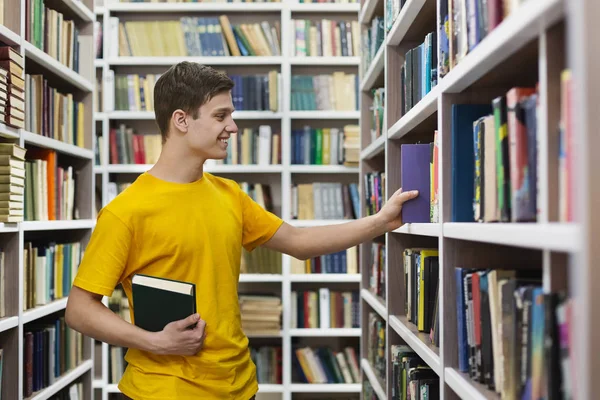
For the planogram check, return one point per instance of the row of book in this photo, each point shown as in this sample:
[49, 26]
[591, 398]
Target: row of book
[377, 273]
[421, 285]
[392, 9]
[72, 392]
[126, 146]
[324, 309]
[12, 87]
[261, 314]
[260, 193]
[325, 92]
[342, 262]
[374, 192]
[513, 336]
[254, 146]
[411, 377]
[319, 146]
[196, 37]
[377, 111]
[325, 38]
[463, 24]
[419, 165]
[258, 92]
[375, 340]
[12, 182]
[135, 92]
[50, 350]
[260, 261]
[51, 113]
[324, 365]
[49, 271]
[324, 200]
[116, 363]
[119, 304]
[52, 32]
[372, 40]
[418, 73]
[49, 188]
[268, 361]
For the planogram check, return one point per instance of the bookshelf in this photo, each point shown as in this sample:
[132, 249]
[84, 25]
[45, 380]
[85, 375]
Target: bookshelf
[20, 319]
[281, 177]
[530, 46]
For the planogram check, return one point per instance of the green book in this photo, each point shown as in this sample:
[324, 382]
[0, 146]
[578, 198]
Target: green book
[160, 301]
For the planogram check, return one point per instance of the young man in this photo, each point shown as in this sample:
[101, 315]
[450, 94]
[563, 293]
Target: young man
[178, 222]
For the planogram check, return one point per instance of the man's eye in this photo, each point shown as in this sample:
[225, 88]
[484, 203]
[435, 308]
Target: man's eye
[220, 116]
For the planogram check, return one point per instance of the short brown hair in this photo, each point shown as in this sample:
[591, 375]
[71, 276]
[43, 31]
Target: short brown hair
[186, 86]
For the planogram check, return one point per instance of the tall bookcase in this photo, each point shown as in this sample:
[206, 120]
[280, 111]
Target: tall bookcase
[14, 236]
[532, 45]
[280, 177]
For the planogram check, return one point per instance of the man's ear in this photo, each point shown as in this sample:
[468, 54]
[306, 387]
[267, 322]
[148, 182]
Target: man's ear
[179, 119]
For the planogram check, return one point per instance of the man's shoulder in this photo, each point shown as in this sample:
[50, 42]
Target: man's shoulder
[223, 183]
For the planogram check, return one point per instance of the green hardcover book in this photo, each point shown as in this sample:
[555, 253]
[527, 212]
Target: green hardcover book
[160, 301]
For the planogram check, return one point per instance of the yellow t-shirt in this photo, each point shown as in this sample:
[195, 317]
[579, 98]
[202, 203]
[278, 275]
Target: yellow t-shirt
[190, 232]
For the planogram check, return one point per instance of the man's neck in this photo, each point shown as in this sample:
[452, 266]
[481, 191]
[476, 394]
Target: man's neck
[177, 166]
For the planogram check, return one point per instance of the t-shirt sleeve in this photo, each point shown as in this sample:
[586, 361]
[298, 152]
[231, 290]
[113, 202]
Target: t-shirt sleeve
[105, 256]
[259, 225]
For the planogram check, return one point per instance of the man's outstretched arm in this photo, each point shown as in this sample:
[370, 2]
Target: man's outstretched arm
[304, 243]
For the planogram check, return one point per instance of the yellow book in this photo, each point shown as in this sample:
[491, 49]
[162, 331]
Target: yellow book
[60, 269]
[421, 315]
[326, 156]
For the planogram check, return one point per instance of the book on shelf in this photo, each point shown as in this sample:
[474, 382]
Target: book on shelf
[342, 262]
[513, 337]
[324, 200]
[254, 146]
[324, 38]
[194, 37]
[377, 112]
[418, 73]
[256, 92]
[421, 284]
[325, 92]
[53, 114]
[320, 146]
[372, 40]
[48, 271]
[49, 188]
[377, 273]
[416, 175]
[119, 304]
[12, 182]
[12, 87]
[325, 365]
[50, 350]
[374, 192]
[52, 32]
[375, 342]
[268, 361]
[116, 363]
[260, 261]
[159, 301]
[411, 377]
[392, 9]
[261, 314]
[324, 309]
[98, 95]
[351, 145]
[260, 193]
[127, 146]
[98, 35]
[134, 92]
[566, 159]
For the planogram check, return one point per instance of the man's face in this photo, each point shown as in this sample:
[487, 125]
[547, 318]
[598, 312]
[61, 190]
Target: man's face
[208, 135]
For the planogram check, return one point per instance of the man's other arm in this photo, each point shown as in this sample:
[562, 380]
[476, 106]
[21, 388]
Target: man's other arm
[305, 243]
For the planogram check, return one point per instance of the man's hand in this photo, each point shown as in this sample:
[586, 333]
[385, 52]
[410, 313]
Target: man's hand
[390, 215]
[178, 339]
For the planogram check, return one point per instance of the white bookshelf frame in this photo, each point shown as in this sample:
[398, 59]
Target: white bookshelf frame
[570, 251]
[286, 171]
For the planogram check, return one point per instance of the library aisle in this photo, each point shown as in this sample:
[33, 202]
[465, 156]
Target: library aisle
[488, 108]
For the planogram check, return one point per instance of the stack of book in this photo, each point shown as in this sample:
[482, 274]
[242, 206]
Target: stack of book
[261, 315]
[12, 87]
[12, 182]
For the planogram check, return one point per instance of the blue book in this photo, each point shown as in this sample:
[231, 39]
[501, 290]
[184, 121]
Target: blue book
[415, 174]
[463, 346]
[463, 160]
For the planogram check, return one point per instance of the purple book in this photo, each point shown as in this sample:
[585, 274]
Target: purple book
[416, 176]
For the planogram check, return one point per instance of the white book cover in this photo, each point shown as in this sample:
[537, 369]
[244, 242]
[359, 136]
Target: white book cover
[324, 308]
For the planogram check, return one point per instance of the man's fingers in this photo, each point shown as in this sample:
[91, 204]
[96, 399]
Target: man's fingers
[189, 321]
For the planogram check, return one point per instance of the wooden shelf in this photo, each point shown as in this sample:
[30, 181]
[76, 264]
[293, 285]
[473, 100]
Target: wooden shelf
[269, 388]
[304, 223]
[112, 388]
[260, 278]
[30, 226]
[172, 60]
[374, 149]
[424, 229]
[41, 311]
[54, 66]
[373, 379]
[404, 21]
[325, 387]
[141, 8]
[316, 61]
[8, 323]
[368, 10]
[53, 144]
[551, 236]
[322, 169]
[418, 341]
[416, 115]
[8, 132]
[375, 70]
[465, 388]
[9, 37]
[324, 114]
[79, 9]
[324, 7]
[149, 115]
[335, 332]
[325, 277]
[9, 227]
[63, 381]
[375, 302]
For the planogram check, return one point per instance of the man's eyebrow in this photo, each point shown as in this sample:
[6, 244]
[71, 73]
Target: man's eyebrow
[223, 109]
